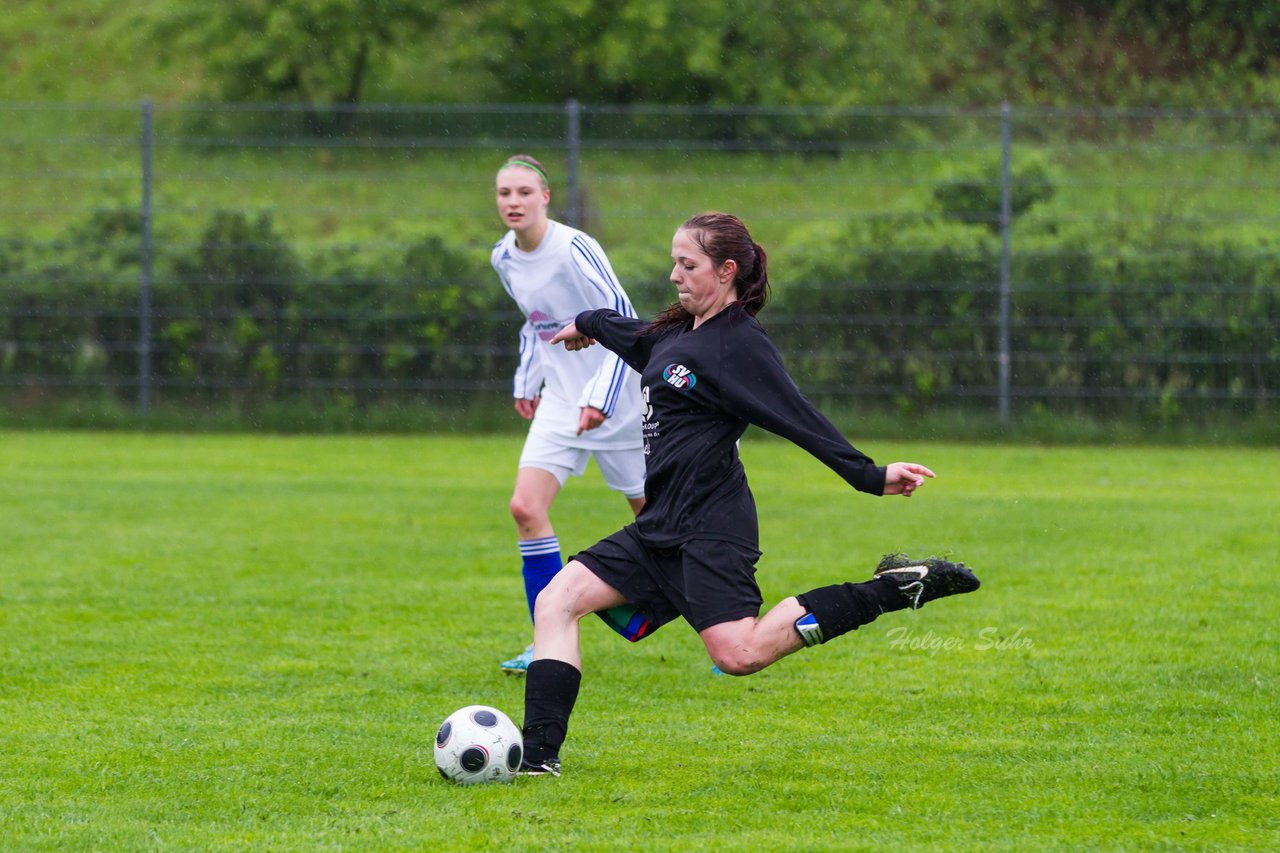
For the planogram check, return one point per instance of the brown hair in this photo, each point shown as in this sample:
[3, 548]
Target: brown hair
[723, 237]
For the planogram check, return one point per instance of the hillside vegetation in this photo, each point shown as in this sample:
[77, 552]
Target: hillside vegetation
[741, 52]
[328, 252]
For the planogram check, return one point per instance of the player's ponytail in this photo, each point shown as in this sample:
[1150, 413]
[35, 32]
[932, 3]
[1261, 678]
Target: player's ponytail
[753, 287]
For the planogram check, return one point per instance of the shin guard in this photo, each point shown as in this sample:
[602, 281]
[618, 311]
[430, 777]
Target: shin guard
[550, 692]
[845, 607]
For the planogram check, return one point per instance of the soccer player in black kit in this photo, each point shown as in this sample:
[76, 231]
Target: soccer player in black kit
[708, 370]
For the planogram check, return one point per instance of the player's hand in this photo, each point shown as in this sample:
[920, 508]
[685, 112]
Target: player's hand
[589, 418]
[526, 408]
[573, 339]
[903, 478]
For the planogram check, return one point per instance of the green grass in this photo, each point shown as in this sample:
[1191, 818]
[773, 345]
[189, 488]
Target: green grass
[80, 50]
[1198, 425]
[633, 200]
[247, 642]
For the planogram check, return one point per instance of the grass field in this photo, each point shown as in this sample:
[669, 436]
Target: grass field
[247, 642]
[633, 199]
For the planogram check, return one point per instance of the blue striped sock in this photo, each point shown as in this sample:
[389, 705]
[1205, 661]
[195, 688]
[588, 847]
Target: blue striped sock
[541, 559]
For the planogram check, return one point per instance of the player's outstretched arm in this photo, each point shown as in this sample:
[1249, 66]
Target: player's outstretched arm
[572, 338]
[903, 478]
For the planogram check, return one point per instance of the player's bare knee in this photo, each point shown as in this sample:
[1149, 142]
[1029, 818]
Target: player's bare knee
[525, 512]
[563, 598]
[738, 661]
[735, 665]
[551, 606]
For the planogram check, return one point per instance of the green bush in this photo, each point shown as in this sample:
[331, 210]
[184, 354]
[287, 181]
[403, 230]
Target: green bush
[237, 313]
[376, 319]
[68, 307]
[899, 305]
[465, 322]
[229, 304]
[905, 308]
[974, 196]
[909, 307]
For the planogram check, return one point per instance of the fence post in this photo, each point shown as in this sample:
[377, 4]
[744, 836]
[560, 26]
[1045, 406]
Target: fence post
[1006, 220]
[572, 113]
[144, 297]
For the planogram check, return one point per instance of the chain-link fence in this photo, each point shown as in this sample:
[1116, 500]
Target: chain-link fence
[1005, 259]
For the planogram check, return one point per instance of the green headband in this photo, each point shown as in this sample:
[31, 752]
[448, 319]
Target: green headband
[527, 165]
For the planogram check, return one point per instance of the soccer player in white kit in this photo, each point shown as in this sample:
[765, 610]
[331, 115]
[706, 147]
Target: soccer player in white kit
[578, 407]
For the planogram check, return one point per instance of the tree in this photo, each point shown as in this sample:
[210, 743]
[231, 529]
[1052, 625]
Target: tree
[315, 52]
[1111, 52]
[734, 52]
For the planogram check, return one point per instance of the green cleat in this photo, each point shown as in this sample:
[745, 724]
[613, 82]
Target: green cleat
[518, 664]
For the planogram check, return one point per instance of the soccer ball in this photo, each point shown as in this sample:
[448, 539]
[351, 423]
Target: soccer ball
[478, 744]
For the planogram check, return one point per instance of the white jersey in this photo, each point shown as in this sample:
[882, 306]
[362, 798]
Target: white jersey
[568, 273]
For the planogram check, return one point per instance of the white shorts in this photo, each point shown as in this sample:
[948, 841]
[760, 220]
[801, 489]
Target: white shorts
[623, 470]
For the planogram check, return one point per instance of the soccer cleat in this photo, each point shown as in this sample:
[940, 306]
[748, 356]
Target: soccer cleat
[921, 581]
[809, 629]
[548, 767]
[518, 664]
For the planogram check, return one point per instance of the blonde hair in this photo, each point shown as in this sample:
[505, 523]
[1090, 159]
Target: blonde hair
[529, 163]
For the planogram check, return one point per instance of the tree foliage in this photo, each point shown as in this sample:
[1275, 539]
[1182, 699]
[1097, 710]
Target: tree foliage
[869, 52]
[666, 51]
[1111, 52]
[319, 52]
[733, 52]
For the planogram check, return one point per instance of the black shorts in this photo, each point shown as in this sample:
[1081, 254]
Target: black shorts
[706, 581]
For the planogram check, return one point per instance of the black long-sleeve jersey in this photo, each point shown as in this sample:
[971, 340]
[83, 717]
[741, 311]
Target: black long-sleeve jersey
[702, 387]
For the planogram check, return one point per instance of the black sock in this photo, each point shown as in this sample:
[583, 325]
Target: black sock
[845, 607]
[550, 691]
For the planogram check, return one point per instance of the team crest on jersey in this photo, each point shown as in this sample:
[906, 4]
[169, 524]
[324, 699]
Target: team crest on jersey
[679, 376]
[545, 326]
